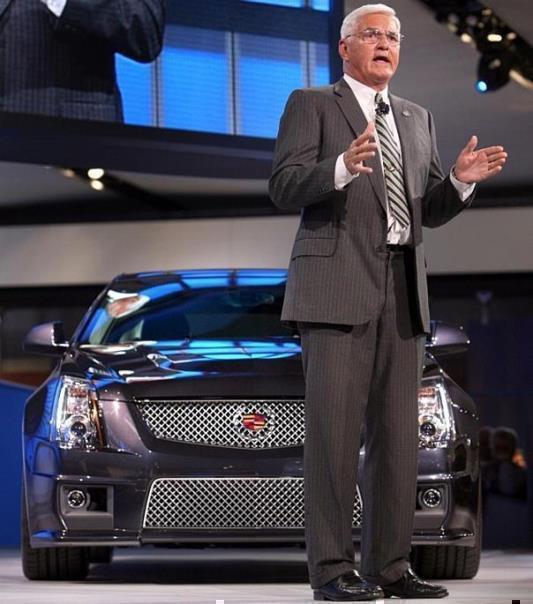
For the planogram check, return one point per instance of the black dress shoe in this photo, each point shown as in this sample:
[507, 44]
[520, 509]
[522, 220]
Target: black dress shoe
[411, 586]
[348, 587]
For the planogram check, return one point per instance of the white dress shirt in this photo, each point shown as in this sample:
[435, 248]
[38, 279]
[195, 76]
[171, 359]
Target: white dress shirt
[56, 6]
[396, 234]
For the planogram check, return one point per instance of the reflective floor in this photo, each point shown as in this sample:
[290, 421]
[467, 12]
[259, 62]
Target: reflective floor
[227, 576]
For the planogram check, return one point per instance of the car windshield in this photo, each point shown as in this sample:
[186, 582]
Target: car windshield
[187, 307]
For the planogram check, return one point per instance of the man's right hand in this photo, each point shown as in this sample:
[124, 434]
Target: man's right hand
[361, 149]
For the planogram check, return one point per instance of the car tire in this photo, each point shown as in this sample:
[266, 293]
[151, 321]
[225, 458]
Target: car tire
[449, 561]
[100, 555]
[446, 561]
[51, 563]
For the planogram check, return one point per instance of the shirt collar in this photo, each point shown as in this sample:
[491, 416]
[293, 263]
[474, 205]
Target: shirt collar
[363, 93]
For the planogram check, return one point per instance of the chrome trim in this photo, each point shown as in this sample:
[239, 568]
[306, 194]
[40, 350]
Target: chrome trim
[230, 503]
[221, 423]
[443, 476]
[424, 537]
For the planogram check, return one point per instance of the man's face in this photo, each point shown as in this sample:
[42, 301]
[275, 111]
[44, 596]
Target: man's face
[371, 64]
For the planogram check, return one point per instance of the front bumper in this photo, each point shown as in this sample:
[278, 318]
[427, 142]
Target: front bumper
[124, 481]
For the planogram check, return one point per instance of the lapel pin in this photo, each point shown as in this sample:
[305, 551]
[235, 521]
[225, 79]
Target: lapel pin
[406, 113]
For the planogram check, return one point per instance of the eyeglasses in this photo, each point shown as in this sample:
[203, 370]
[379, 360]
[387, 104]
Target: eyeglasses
[371, 35]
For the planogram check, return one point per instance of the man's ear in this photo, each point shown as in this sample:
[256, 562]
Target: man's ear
[342, 49]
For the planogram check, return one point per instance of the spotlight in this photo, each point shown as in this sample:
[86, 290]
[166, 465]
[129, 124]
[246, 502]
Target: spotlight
[493, 71]
[504, 54]
[95, 173]
[97, 185]
[492, 40]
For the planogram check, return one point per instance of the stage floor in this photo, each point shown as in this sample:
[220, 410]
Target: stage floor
[228, 576]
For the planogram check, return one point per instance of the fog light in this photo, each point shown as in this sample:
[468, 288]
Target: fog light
[430, 498]
[76, 499]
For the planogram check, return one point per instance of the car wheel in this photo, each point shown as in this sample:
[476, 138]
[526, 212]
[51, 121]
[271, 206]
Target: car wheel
[51, 563]
[449, 561]
[100, 555]
[446, 561]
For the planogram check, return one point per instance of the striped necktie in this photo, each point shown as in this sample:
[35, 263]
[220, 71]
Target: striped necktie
[392, 165]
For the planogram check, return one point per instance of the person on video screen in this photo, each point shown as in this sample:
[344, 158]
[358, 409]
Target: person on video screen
[57, 57]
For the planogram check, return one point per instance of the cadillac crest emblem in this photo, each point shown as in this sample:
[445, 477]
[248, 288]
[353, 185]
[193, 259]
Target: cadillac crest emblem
[253, 424]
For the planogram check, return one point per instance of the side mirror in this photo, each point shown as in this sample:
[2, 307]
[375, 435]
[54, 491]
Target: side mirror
[47, 338]
[446, 339]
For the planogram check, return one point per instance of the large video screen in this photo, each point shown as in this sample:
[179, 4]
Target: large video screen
[222, 67]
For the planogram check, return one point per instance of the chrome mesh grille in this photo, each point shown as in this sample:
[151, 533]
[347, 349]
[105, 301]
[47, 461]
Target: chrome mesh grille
[224, 422]
[229, 503]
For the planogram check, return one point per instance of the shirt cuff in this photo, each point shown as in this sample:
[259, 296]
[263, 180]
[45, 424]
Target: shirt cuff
[56, 6]
[464, 189]
[343, 177]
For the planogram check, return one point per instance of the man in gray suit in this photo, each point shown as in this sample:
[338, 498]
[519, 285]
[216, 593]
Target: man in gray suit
[363, 168]
[57, 57]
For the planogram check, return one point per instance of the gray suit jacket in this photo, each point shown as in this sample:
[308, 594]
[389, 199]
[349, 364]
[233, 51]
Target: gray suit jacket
[66, 67]
[338, 261]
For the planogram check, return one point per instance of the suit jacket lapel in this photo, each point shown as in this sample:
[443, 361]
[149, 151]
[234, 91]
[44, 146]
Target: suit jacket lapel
[404, 124]
[356, 119]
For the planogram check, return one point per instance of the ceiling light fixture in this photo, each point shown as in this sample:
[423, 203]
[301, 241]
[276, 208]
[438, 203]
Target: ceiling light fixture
[504, 54]
[493, 70]
[97, 185]
[95, 173]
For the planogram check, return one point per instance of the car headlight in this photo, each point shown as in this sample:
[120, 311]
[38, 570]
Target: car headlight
[78, 421]
[435, 419]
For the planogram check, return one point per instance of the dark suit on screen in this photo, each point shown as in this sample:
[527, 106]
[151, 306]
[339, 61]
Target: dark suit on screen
[66, 66]
[347, 291]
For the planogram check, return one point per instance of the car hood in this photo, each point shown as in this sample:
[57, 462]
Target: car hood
[267, 367]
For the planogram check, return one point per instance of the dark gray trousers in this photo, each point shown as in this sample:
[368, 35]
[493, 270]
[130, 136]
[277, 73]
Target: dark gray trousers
[363, 374]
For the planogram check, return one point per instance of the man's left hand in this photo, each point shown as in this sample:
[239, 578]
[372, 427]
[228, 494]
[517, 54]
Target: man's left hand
[474, 166]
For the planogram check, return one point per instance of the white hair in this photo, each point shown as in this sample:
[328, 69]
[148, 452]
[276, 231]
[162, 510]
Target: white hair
[352, 18]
